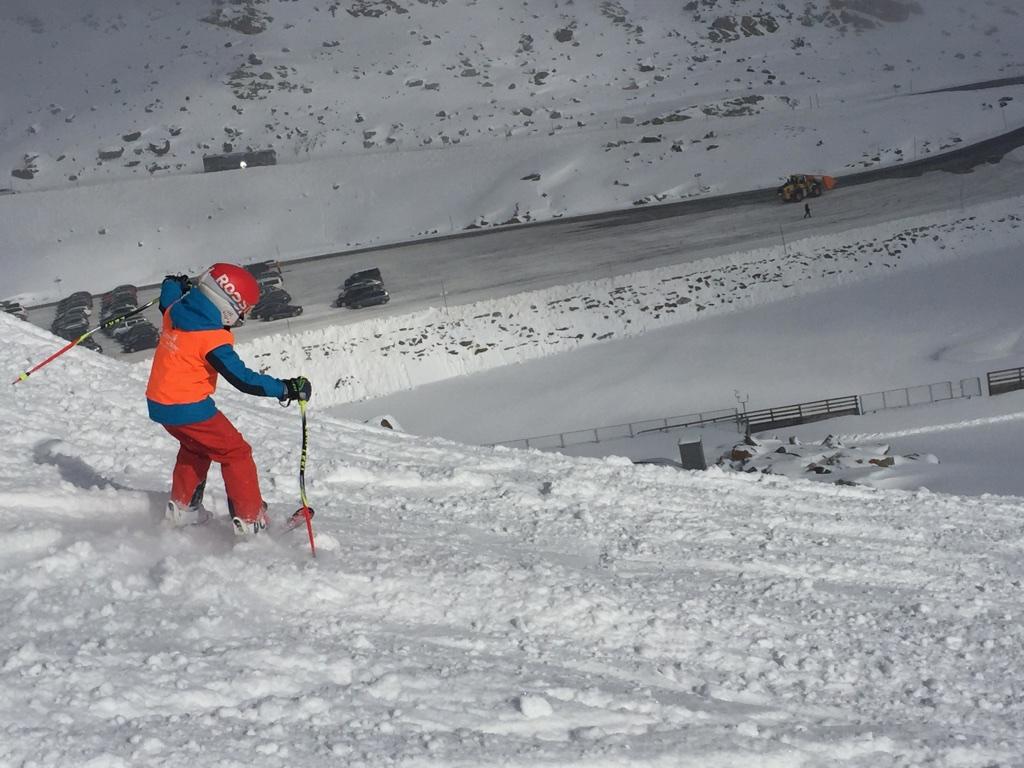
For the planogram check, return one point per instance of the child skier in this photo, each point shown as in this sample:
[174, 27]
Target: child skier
[196, 344]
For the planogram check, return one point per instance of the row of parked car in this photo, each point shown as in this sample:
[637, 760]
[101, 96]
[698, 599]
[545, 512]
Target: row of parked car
[73, 315]
[71, 318]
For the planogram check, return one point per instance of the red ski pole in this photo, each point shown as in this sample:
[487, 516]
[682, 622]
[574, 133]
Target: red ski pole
[105, 324]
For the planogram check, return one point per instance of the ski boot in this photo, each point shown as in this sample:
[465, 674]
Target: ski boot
[178, 515]
[250, 527]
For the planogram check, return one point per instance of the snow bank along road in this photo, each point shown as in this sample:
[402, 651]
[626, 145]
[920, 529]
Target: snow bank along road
[477, 606]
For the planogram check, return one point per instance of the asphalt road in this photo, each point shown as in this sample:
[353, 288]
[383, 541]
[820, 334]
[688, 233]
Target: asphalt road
[492, 263]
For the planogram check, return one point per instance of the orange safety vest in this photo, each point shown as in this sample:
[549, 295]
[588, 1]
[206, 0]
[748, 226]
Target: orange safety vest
[180, 372]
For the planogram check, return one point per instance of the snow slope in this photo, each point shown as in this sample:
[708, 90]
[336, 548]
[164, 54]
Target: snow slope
[475, 606]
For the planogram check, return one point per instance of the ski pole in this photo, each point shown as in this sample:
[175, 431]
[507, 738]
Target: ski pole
[104, 324]
[306, 511]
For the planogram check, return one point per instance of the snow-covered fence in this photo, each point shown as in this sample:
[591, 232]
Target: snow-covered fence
[1006, 380]
[920, 395]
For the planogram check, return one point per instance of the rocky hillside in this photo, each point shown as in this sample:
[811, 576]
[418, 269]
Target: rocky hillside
[93, 92]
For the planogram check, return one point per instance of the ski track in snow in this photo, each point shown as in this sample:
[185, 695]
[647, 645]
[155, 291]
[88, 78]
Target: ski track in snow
[482, 606]
[931, 428]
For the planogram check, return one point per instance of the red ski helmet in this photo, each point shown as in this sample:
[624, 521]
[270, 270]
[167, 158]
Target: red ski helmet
[233, 290]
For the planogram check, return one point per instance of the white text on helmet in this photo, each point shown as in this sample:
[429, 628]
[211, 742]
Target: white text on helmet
[229, 288]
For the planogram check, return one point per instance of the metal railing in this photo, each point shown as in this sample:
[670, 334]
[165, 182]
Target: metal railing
[721, 416]
[619, 431]
[920, 395]
[801, 413]
[1006, 380]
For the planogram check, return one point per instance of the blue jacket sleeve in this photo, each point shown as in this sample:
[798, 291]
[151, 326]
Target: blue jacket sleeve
[170, 292]
[228, 364]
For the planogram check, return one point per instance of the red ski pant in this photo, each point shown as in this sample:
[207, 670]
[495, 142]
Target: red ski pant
[216, 439]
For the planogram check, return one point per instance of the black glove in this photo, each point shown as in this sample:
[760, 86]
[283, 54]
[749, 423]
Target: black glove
[296, 389]
[181, 280]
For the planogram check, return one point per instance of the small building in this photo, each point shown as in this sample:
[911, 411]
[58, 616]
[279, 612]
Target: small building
[232, 161]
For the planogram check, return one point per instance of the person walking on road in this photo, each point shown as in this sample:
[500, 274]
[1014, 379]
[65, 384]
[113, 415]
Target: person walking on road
[807, 210]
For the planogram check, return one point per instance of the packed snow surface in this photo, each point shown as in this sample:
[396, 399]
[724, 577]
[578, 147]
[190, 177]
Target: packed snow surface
[473, 606]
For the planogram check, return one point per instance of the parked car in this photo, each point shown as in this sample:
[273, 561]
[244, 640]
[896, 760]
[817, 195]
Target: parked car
[363, 296]
[124, 288]
[91, 343]
[274, 296]
[362, 285]
[118, 307]
[78, 297]
[140, 343]
[14, 308]
[135, 324]
[112, 313]
[126, 325]
[71, 329]
[271, 302]
[364, 276]
[263, 267]
[122, 294]
[270, 280]
[74, 312]
[277, 311]
[140, 336]
[78, 300]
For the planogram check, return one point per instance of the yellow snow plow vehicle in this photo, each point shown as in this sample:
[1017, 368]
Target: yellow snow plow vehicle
[801, 185]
